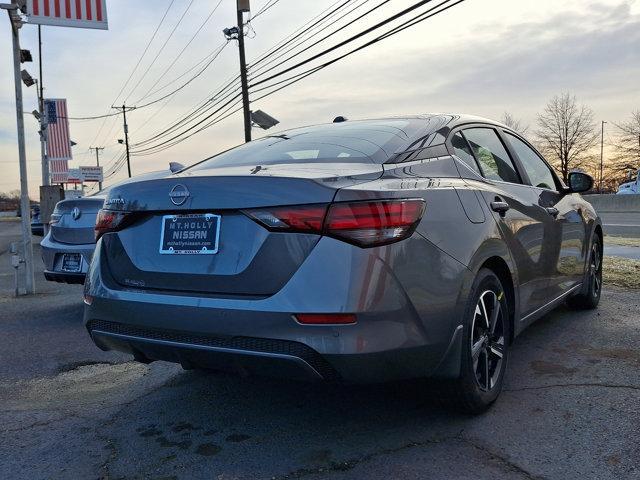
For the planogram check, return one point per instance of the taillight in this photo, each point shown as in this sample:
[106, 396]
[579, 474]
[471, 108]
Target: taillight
[370, 224]
[366, 224]
[55, 218]
[302, 218]
[109, 221]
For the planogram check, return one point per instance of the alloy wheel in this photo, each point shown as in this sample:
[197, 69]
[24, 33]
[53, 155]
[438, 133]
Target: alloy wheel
[595, 270]
[488, 340]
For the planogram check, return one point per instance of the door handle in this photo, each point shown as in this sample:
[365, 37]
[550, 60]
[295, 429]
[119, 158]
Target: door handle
[500, 207]
[553, 211]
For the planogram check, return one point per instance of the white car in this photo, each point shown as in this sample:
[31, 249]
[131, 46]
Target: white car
[629, 188]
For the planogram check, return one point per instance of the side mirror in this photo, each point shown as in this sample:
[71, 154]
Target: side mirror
[580, 182]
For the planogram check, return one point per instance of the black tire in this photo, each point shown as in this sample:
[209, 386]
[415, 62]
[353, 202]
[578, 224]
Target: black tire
[473, 391]
[589, 296]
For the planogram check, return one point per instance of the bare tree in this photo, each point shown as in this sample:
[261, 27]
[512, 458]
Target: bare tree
[514, 124]
[627, 144]
[566, 133]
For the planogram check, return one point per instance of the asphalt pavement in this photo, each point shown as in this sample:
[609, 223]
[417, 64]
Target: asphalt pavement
[570, 409]
[625, 224]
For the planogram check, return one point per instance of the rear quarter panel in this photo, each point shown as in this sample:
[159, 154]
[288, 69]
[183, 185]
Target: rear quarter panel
[458, 231]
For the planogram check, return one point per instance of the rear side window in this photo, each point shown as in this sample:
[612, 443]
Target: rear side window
[490, 153]
[538, 171]
[462, 150]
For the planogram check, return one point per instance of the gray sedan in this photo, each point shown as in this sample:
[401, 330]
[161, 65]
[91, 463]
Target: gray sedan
[358, 251]
[68, 246]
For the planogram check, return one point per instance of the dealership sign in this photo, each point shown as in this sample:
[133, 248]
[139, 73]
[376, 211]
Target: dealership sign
[91, 174]
[68, 13]
[74, 176]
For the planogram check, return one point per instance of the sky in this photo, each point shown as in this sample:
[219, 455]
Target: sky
[481, 57]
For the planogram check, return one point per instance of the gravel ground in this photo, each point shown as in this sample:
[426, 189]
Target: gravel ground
[570, 409]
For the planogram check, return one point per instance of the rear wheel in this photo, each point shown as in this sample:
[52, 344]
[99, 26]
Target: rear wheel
[589, 297]
[485, 347]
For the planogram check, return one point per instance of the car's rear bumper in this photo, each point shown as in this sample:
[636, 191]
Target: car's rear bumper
[243, 355]
[400, 333]
[52, 255]
[37, 229]
[64, 277]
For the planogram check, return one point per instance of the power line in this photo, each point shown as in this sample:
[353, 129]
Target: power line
[188, 81]
[418, 19]
[144, 52]
[133, 71]
[190, 69]
[301, 31]
[226, 104]
[441, 7]
[159, 51]
[347, 41]
[179, 55]
[205, 107]
[208, 105]
[303, 40]
[265, 7]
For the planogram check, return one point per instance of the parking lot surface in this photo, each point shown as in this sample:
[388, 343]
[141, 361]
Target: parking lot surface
[570, 409]
[625, 224]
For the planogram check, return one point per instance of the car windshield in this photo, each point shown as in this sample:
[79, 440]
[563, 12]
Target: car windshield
[361, 141]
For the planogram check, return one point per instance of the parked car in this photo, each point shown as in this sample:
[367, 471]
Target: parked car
[37, 227]
[632, 187]
[360, 251]
[68, 247]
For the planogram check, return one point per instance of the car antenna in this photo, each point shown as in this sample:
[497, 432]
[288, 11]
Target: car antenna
[340, 119]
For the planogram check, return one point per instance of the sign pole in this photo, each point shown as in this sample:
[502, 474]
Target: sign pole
[25, 206]
[97, 149]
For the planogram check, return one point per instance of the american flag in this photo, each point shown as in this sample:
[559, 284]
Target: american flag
[68, 13]
[58, 142]
[59, 171]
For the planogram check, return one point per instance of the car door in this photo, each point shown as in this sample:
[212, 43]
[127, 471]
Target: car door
[525, 225]
[567, 258]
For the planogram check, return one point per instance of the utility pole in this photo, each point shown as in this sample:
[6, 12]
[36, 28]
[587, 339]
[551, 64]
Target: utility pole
[25, 206]
[97, 149]
[126, 137]
[43, 120]
[601, 154]
[243, 6]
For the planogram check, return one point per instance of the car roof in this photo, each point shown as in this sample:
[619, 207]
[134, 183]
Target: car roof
[437, 120]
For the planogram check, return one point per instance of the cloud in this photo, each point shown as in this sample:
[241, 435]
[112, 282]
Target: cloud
[482, 57]
[593, 52]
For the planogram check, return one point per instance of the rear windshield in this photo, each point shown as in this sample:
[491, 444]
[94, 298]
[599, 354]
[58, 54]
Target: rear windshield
[366, 141]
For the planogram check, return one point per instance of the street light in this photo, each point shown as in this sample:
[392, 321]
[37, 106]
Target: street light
[25, 56]
[27, 79]
[263, 120]
[231, 33]
[601, 155]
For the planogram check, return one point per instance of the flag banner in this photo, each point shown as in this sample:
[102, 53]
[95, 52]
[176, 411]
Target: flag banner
[59, 170]
[68, 13]
[57, 133]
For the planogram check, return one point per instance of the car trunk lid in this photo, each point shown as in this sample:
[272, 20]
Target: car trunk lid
[250, 260]
[77, 220]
